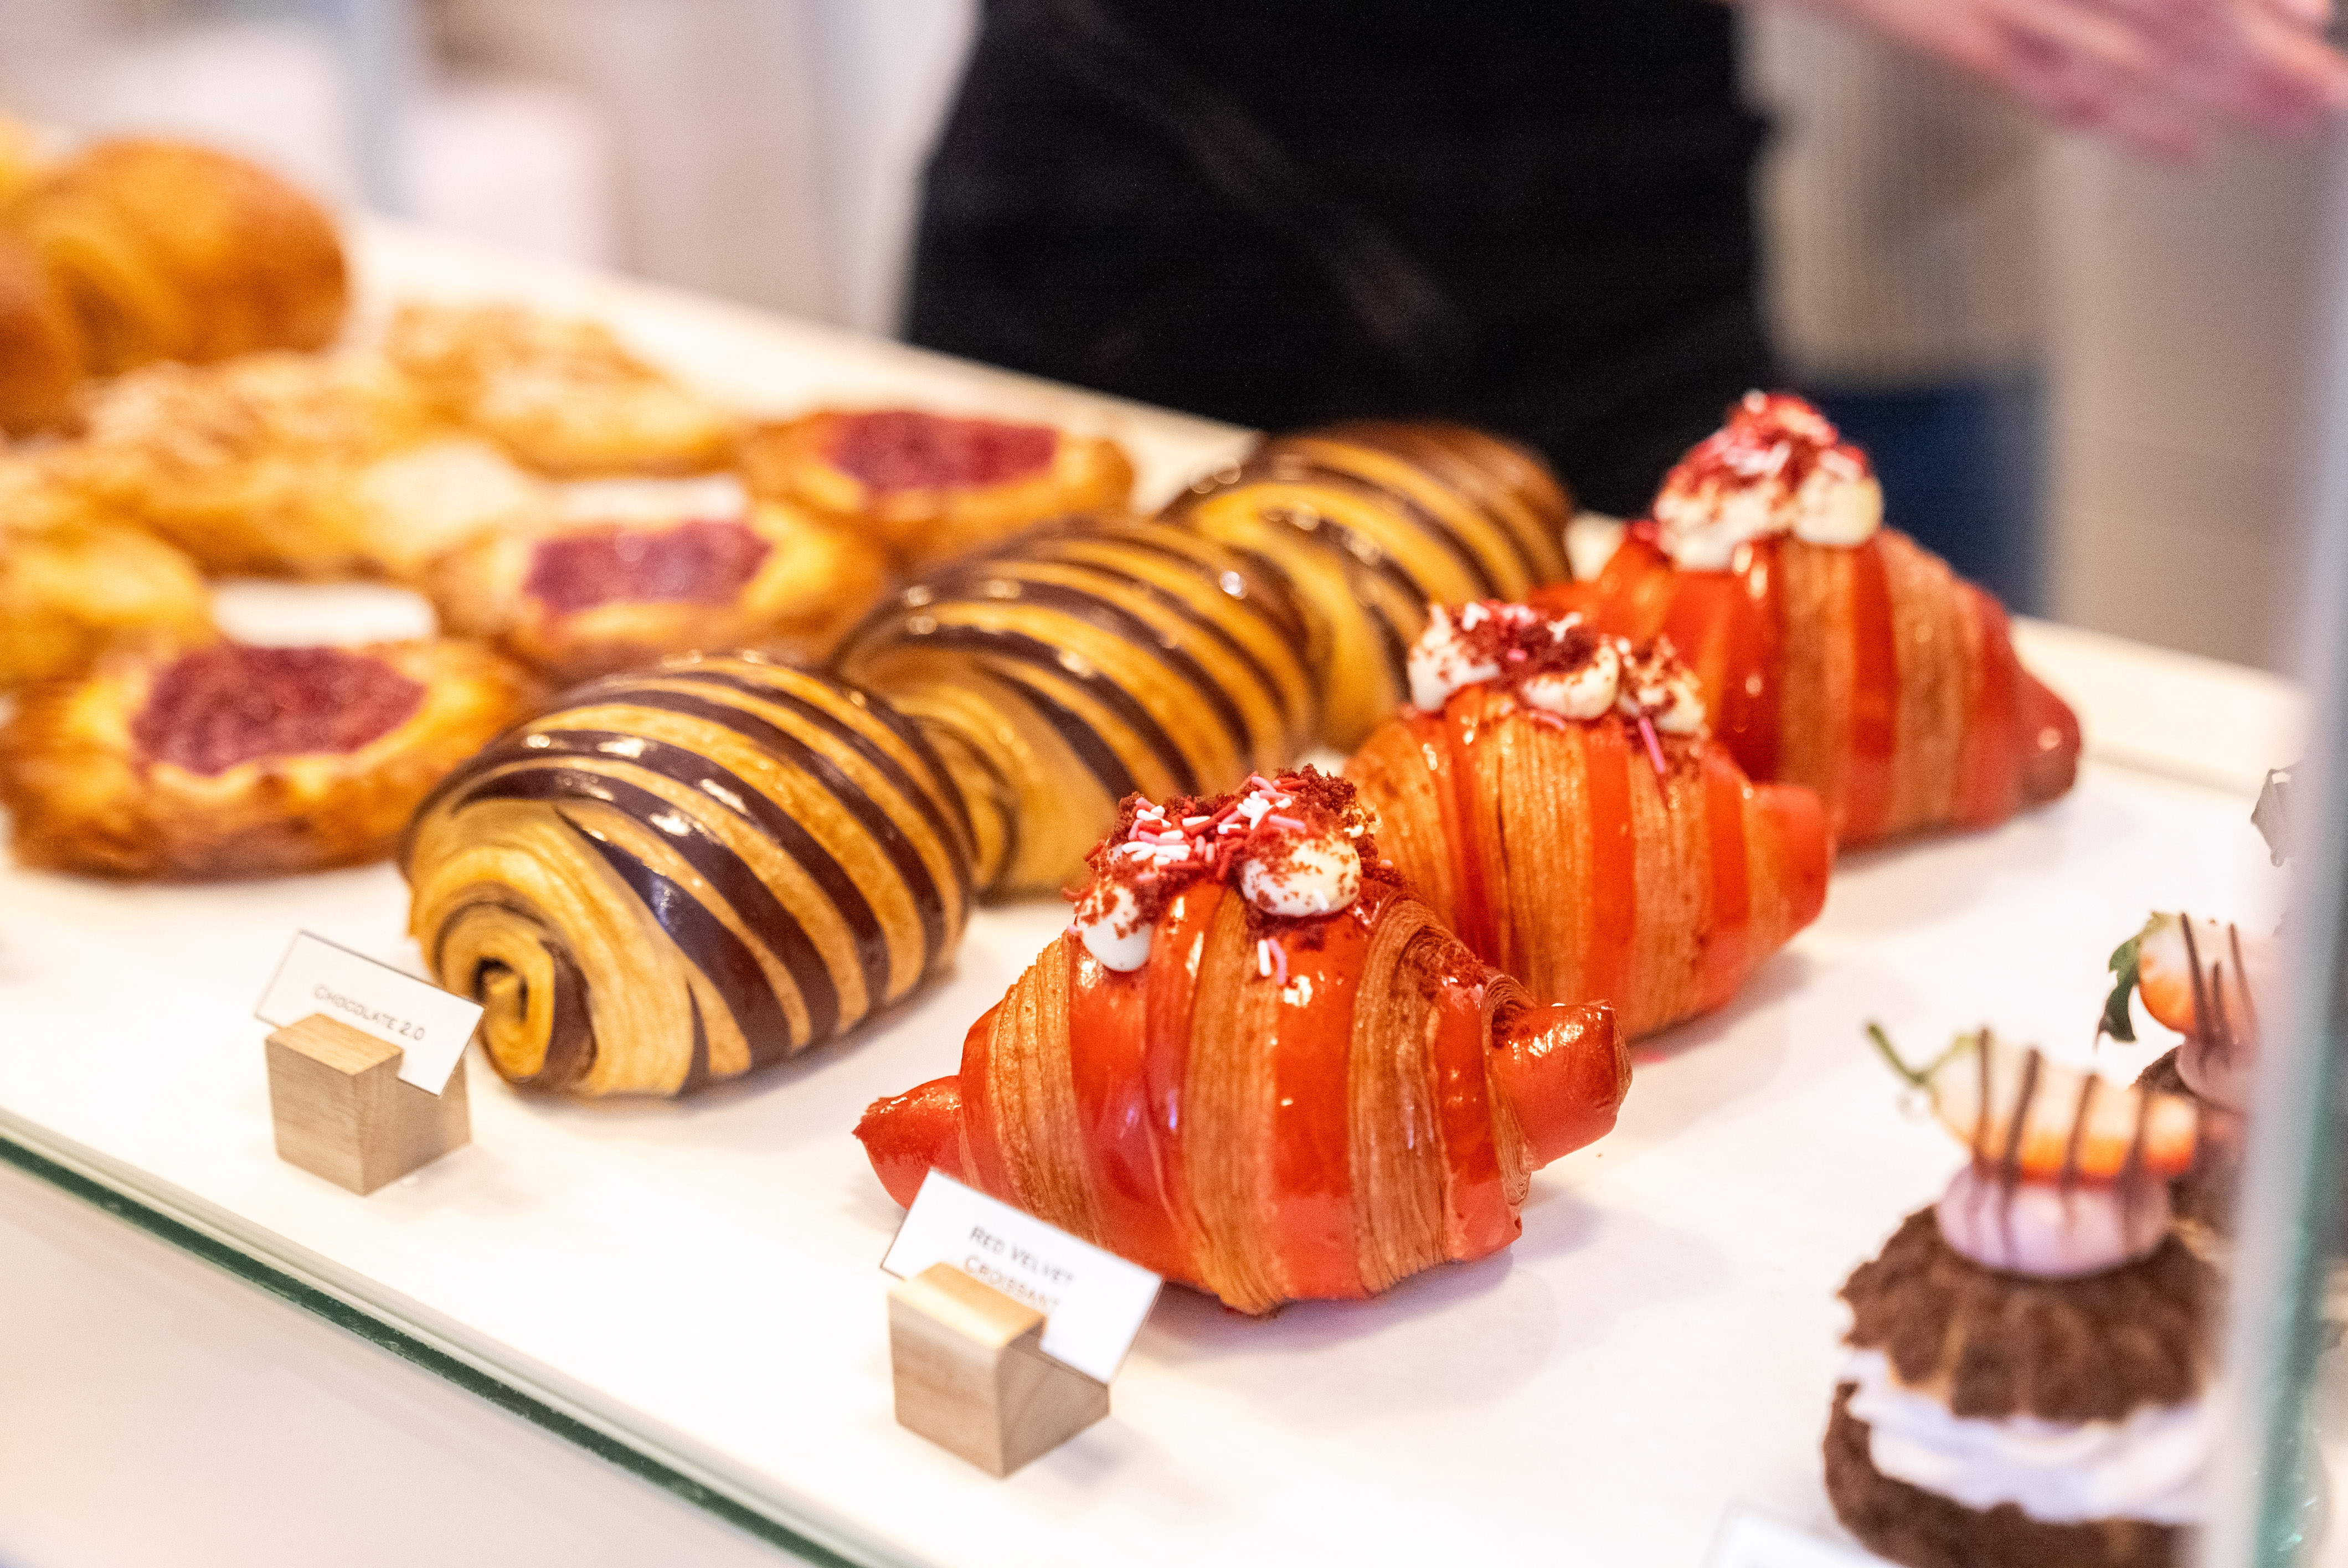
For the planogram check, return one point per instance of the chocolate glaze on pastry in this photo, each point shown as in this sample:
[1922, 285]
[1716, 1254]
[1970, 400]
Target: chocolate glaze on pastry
[1373, 521]
[1996, 1345]
[1908, 1524]
[1081, 662]
[234, 761]
[681, 874]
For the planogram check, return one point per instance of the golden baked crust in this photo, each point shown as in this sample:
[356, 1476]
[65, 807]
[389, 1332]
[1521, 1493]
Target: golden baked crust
[561, 395]
[1082, 662]
[294, 465]
[75, 581]
[808, 586]
[87, 797]
[1373, 521]
[1924, 1529]
[798, 461]
[172, 251]
[40, 342]
[689, 872]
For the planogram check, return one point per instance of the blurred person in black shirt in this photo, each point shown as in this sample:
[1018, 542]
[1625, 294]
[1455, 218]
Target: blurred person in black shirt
[1530, 218]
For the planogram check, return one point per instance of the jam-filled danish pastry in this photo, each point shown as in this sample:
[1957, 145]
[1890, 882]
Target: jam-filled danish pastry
[929, 485]
[561, 393]
[237, 760]
[75, 581]
[632, 571]
[683, 874]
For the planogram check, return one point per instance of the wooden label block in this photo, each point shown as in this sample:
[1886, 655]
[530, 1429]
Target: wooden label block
[343, 1113]
[971, 1376]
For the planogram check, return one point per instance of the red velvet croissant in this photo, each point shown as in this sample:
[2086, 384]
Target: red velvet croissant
[1255, 1062]
[1554, 799]
[1832, 651]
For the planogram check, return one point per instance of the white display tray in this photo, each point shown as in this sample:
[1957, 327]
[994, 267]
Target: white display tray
[693, 1287]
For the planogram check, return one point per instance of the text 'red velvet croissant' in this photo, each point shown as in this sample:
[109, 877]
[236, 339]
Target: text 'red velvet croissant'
[1553, 797]
[1833, 651]
[1255, 1062]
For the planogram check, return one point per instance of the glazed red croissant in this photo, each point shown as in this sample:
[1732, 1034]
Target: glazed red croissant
[1555, 800]
[1833, 653]
[1256, 1063]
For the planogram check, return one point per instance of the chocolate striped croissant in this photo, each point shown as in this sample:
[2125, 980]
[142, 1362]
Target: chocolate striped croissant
[1082, 662]
[1554, 799]
[1375, 521]
[689, 872]
[1258, 1064]
[1833, 653]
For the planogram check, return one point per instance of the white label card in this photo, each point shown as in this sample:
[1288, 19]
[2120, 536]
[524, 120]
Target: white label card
[430, 1025]
[1092, 1301]
[1750, 1541]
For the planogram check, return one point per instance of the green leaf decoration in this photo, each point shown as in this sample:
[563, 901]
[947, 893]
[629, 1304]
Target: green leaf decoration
[2116, 1022]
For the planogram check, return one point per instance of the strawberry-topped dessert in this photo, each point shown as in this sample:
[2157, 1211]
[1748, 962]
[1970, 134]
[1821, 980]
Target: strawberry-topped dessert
[2031, 1357]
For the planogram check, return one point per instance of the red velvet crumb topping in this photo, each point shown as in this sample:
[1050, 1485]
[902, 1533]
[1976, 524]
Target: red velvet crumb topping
[905, 449]
[694, 562]
[213, 709]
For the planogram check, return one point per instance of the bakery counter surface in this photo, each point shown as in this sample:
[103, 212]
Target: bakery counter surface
[693, 1288]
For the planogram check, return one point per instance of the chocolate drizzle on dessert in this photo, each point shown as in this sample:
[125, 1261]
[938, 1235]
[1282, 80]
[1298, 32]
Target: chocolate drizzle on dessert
[213, 709]
[699, 561]
[906, 450]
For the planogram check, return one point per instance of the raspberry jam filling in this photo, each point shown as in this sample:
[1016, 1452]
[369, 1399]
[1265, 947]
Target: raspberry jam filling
[904, 449]
[210, 710]
[698, 562]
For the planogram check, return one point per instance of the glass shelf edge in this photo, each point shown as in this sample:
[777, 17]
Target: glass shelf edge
[427, 1340]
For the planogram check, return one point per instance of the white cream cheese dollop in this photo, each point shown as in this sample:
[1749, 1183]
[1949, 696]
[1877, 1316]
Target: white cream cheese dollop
[1108, 922]
[2149, 1467]
[1777, 468]
[1586, 692]
[1663, 689]
[2032, 1228]
[1439, 663]
[1316, 875]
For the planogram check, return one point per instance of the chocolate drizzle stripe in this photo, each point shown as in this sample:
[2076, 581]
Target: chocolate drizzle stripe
[723, 958]
[1409, 507]
[1359, 552]
[696, 773]
[2243, 979]
[1100, 758]
[1014, 649]
[1103, 615]
[753, 902]
[942, 787]
[1288, 468]
[1116, 579]
[868, 814]
[925, 801]
[696, 1066]
[1264, 599]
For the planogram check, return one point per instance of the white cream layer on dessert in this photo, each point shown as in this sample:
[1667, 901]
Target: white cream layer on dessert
[2148, 1467]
